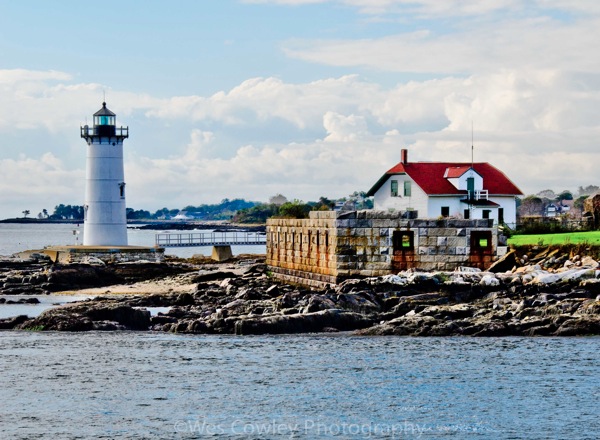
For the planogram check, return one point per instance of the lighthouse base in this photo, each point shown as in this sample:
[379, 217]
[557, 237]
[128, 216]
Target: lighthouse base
[105, 254]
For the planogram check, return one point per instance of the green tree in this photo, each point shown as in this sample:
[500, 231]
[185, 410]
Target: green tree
[326, 203]
[67, 212]
[139, 214]
[531, 205]
[161, 213]
[579, 202]
[361, 200]
[294, 209]
[546, 194]
[256, 214]
[588, 190]
[565, 195]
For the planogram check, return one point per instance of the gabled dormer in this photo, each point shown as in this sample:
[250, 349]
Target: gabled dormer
[465, 178]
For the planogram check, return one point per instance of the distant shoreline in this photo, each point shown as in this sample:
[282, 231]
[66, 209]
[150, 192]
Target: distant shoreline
[37, 220]
[219, 225]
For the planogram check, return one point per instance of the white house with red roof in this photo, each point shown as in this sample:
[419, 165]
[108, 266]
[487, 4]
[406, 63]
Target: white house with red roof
[447, 189]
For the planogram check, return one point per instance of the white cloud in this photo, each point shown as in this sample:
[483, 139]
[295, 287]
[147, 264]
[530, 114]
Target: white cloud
[258, 100]
[529, 43]
[305, 171]
[50, 100]
[446, 8]
[36, 184]
[521, 117]
[342, 128]
[10, 77]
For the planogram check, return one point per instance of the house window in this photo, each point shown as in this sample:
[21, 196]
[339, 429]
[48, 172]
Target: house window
[122, 189]
[394, 188]
[407, 188]
[445, 211]
[467, 214]
[500, 215]
[486, 213]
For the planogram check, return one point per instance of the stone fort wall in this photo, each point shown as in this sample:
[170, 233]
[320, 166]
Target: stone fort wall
[331, 246]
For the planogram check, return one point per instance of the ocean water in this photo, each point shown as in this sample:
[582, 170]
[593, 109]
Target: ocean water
[16, 238]
[20, 237]
[147, 385]
[136, 385]
[33, 310]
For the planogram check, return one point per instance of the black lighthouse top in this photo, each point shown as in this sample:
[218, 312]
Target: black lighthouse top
[104, 126]
[104, 116]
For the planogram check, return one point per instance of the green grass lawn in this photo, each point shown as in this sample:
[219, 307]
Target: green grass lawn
[592, 237]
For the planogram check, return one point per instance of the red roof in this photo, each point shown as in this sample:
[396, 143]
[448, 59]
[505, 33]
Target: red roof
[454, 172]
[430, 177]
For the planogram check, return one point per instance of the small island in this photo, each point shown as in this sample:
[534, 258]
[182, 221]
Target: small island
[531, 291]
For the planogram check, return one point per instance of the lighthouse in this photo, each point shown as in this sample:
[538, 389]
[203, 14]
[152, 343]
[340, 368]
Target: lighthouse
[105, 222]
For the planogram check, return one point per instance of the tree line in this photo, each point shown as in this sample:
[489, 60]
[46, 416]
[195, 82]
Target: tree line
[238, 210]
[536, 204]
[278, 206]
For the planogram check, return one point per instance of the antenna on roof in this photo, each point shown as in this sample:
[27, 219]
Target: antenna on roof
[472, 144]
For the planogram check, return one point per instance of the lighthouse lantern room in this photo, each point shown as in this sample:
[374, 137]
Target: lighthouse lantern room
[105, 222]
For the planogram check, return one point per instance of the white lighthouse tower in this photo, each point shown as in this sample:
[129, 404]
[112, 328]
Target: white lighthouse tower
[105, 222]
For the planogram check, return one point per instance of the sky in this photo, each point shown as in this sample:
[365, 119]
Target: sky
[307, 98]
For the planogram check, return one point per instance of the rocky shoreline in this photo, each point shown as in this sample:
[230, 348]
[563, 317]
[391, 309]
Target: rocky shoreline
[546, 294]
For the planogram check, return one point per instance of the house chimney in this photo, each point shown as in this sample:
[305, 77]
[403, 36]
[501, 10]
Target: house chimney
[404, 155]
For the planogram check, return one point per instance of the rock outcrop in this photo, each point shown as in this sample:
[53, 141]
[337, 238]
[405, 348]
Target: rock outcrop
[542, 294]
[92, 315]
[39, 276]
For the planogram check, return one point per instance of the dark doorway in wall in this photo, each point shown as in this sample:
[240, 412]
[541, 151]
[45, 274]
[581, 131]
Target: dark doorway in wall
[481, 249]
[403, 243]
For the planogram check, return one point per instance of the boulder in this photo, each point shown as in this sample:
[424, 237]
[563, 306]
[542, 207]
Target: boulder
[319, 302]
[205, 276]
[579, 327]
[356, 302]
[82, 316]
[301, 323]
[10, 323]
[592, 206]
[506, 263]
[407, 325]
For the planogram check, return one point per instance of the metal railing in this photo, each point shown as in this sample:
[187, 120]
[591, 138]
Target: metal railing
[180, 239]
[545, 225]
[101, 130]
[480, 194]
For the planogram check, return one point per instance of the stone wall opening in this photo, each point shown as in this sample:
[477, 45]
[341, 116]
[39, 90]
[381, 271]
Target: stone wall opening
[481, 249]
[403, 245]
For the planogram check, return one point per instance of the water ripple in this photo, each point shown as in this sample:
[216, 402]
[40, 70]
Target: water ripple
[146, 385]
